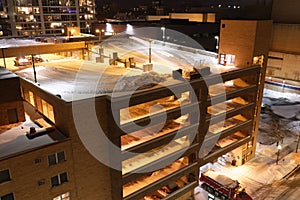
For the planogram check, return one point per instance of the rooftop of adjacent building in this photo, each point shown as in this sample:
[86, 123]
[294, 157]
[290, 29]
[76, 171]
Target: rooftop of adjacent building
[13, 139]
[5, 74]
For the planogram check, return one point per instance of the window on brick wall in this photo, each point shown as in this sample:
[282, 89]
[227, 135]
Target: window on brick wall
[4, 176]
[31, 98]
[59, 179]
[227, 59]
[45, 108]
[56, 158]
[9, 196]
[64, 196]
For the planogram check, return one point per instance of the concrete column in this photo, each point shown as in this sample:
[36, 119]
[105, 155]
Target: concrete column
[77, 13]
[42, 16]
[12, 19]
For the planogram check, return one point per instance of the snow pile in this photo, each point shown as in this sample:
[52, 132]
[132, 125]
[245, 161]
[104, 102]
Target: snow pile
[293, 97]
[288, 112]
[279, 117]
[222, 179]
[145, 80]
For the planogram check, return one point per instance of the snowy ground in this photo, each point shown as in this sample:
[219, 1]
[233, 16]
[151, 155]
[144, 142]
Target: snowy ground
[262, 177]
[6, 43]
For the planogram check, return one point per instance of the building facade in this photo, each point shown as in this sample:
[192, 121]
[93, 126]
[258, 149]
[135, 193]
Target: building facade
[244, 43]
[284, 55]
[11, 103]
[65, 168]
[43, 17]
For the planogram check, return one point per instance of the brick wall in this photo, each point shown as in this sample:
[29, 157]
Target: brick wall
[4, 107]
[26, 173]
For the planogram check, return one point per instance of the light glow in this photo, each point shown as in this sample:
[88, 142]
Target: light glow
[129, 29]
[109, 28]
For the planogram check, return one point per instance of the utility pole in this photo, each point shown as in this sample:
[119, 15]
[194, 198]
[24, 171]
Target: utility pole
[163, 34]
[298, 142]
[3, 56]
[33, 66]
[278, 152]
[150, 51]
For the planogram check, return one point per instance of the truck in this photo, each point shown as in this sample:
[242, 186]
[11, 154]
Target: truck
[222, 186]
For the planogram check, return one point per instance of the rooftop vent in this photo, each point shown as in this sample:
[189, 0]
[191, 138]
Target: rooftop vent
[33, 132]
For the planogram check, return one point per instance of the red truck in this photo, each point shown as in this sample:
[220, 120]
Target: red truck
[223, 187]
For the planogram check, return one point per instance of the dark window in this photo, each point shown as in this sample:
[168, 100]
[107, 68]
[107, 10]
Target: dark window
[59, 179]
[52, 159]
[223, 25]
[4, 176]
[63, 178]
[38, 160]
[41, 182]
[61, 157]
[9, 196]
[56, 158]
[274, 57]
[54, 181]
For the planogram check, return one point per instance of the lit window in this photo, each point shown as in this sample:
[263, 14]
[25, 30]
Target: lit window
[9, 196]
[64, 196]
[230, 59]
[4, 176]
[227, 59]
[56, 158]
[31, 98]
[59, 179]
[222, 59]
[47, 110]
[258, 60]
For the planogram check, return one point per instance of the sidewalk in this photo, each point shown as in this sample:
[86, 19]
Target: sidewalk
[261, 171]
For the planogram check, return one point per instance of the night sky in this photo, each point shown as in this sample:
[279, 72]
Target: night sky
[133, 3]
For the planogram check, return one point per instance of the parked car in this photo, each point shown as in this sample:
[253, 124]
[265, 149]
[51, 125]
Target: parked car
[21, 61]
[27, 60]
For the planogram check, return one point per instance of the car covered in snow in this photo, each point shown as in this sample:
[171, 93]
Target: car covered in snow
[27, 60]
[21, 61]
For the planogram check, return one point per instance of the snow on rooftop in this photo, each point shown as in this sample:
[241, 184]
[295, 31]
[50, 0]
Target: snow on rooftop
[220, 178]
[286, 106]
[13, 139]
[292, 97]
[6, 43]
[73, 78]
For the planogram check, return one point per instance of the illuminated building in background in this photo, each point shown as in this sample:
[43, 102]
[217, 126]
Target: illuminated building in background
[43, 17]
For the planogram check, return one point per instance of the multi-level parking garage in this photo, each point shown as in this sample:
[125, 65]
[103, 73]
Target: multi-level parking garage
[133, 133]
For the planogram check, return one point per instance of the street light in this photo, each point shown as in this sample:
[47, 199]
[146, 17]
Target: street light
[164, 33]
[150, 51]
[129, 29]
[72, 32]
[99, 32]
[217, 42]
[278, 152]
